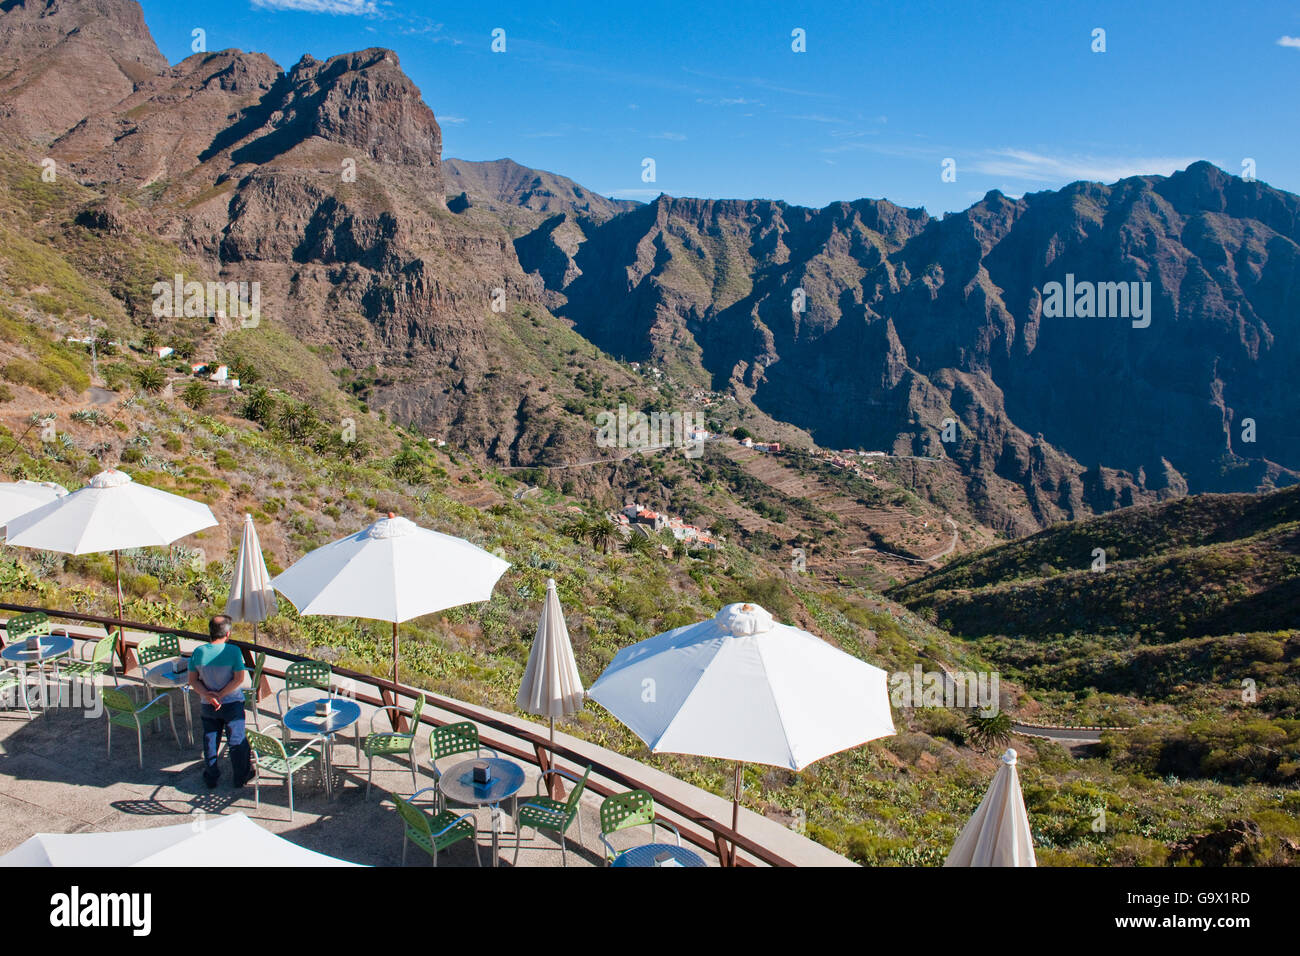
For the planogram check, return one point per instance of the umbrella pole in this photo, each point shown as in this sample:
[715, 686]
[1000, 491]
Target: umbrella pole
[735, 811]
[121, 617]
[394, 657]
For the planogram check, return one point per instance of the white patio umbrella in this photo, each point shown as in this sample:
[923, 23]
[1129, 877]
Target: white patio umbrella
[393, 570]
[251, 596]
[742, 687]
[997, 834]
[551, 686]
[232, 840]
[19, 497]
[111, 513]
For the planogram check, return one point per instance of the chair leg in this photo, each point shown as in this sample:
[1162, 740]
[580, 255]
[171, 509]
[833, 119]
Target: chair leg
[139, 740]
[370, 775]
[519, 833]
[415, 784]
[288, 782]
[172, 717]
[564, 851]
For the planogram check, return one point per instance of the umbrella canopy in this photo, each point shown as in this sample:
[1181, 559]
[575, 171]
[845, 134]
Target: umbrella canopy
[109, 514]
[551, 686]
[231, 840]
[997, 834]
[393, 570]
[742, 687]
[19, 497]
[251, 596]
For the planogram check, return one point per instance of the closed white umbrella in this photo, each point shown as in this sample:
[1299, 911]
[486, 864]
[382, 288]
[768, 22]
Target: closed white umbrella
[111, 513]
[232, 840]
[393, 570]
[997, 834]
[251, 596]
[19, 497]
[551, 686]
[742, 687]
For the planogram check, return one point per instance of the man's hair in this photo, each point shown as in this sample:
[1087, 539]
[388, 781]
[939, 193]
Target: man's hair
[219, 627]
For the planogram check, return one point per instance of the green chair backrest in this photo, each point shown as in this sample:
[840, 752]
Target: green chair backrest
[104, 648]
[250, 699]
[311, 674]
[416, 711]
[414, 817]
[632, 809]
[459, 738]
[265, 745]
[32, 624]
[160, 647]
[576, 795]
[117, 700]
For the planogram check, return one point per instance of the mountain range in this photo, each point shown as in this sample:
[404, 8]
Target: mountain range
[861, 325]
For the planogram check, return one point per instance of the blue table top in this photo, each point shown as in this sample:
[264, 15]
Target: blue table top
[52, 645]
[645, 855]
[457, 783]
[303, 720]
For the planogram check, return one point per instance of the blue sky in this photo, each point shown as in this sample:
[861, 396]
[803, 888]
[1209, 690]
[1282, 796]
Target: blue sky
[715, 95]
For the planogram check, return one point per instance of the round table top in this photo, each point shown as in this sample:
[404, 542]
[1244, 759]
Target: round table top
[164, 674]
[303, 719]
[52, 645]
[645, 855]
[457, 783]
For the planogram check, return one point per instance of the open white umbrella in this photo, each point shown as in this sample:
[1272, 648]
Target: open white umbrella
[551, 686]
[19, 497]
[393, 570]
[741, 687]
[111, 513]
[251, 596]
[232, 840]
[997, 834]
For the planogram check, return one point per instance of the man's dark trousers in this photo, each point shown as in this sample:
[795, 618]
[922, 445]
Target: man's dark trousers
[230, 718]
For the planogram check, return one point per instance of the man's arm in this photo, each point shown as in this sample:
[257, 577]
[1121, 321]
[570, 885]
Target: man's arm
[200, 688]
[236, 682]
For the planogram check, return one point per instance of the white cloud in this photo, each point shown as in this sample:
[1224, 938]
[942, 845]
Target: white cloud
[1019, 164]
[635, 193]
[345, 7]
[452, 120]
[1289, 41]
[673, 136]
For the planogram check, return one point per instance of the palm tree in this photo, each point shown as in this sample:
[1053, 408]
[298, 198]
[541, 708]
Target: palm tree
[150, 379]
[259, 406]
[298, 420]
[408, 465]
[987, 733]
[637, 543]
[185, 350]
[579, 529]
[195, 395]
[602, 532]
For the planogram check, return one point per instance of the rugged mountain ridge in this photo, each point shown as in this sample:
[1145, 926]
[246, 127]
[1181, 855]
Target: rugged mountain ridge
[910, 320]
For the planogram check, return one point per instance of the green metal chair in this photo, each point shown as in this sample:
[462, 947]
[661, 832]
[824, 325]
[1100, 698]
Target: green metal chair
[450, 740]
[250, 696]
[99, 663]
[271, 756]
[158, 647]
[120, 709]
[31, 624]
[392, 744]
[636, 808]
[310, 675]
[13, 680]
[435, 833]
[543, 813]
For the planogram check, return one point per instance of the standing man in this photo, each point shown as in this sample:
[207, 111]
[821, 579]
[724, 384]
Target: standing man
[217, 676]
